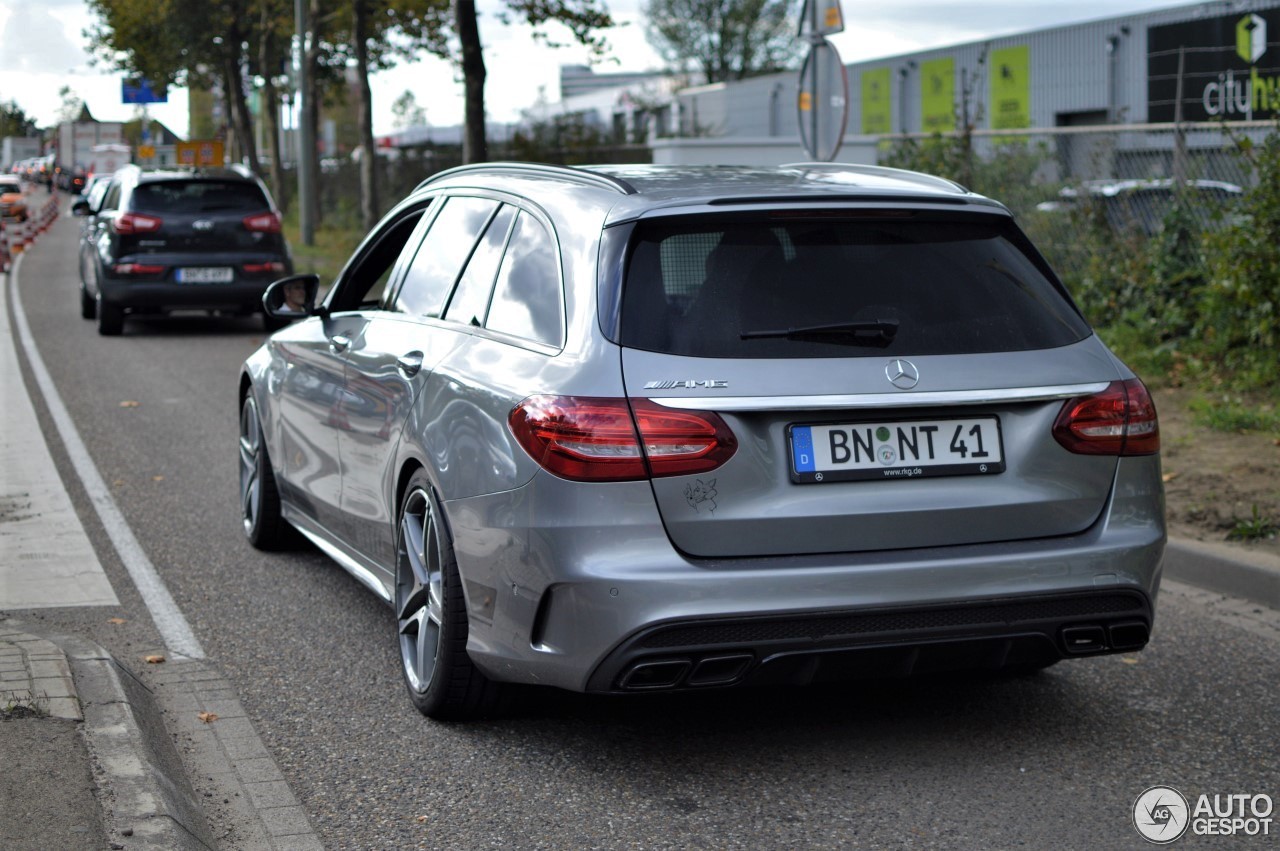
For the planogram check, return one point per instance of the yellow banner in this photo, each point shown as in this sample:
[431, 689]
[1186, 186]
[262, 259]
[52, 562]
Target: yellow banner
[938, 95]
[1010, 88]
[877, 101]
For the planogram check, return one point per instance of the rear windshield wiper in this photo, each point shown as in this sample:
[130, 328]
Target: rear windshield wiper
[879, 333]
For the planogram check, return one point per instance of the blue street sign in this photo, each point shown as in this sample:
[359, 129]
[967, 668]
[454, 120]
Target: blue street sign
[139, 90]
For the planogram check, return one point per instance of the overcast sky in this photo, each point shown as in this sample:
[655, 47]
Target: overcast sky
[42, 49]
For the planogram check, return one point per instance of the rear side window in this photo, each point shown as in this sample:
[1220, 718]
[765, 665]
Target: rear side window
[199, 196]
[528, 299]
[840, 288]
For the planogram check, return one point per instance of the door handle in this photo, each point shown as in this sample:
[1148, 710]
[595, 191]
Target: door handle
[339, 344]
[409, 364]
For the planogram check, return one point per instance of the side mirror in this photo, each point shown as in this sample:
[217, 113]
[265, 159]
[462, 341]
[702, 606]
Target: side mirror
[292, 298]
[80, 208]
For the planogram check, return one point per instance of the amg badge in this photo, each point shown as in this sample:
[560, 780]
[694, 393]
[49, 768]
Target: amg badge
[689, 385]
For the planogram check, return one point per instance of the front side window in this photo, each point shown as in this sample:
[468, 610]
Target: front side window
[363, 284]
[442, 254]
[900, 283]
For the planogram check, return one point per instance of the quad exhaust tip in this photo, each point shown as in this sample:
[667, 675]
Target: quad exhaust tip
[1095, 638]
[655, 674]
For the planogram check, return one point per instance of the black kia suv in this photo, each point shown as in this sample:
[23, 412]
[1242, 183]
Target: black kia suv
[180, 239]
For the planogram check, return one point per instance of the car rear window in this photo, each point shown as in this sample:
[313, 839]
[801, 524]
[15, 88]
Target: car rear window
[826, 287]
[198, 196]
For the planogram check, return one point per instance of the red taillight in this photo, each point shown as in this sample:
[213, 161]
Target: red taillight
[136, 223]
[275, 267]
[263, 223]
[1120, 420]
[590, 439]
[136, 269]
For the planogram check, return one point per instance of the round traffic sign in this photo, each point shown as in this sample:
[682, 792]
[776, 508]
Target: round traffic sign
[822, 105]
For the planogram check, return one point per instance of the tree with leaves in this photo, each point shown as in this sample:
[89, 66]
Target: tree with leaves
[725, 39]
[182, 43]
[407, 112]
[584, 19]
[14, 121]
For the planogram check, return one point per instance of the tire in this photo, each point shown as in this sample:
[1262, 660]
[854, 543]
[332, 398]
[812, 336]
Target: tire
[110, 319]
[260, 513]
[88, 305]
[431, 616]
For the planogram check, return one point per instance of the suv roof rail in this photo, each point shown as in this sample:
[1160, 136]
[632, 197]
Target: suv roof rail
[562, 172]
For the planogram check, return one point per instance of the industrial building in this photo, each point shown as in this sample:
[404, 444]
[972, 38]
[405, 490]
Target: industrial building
[1202, 62]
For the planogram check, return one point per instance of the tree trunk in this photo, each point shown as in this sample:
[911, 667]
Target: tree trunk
[241, 122]
[364, 116]
[475, 149]
[312, 97]
[269, 60]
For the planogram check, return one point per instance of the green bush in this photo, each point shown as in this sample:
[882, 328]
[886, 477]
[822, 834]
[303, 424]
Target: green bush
[1238, 330]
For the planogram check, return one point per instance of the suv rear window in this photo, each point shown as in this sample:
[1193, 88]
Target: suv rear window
[198, 196]
[900, 284]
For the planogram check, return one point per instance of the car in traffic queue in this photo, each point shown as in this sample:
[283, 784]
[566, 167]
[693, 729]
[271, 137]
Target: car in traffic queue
[632, 429]
[179, 239]
[13, 201]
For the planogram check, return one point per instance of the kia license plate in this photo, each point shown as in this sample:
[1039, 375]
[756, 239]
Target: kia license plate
[205, 275]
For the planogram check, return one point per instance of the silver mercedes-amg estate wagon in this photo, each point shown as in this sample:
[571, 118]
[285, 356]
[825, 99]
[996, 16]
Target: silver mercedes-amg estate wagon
[634, 428]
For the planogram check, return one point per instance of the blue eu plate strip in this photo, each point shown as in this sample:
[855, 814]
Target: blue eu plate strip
[802, 448]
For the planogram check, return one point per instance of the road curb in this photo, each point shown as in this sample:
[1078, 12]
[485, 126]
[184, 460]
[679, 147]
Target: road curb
[147, 800]
[1232, 570]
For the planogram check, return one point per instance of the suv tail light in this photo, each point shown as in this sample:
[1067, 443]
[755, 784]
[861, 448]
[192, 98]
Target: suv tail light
[136, 223]
[1120, 420]
[262, 223]
[589, 439]
[275, 267]
[136, 269]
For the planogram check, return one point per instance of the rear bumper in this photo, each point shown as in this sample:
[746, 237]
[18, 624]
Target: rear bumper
[557, 600]
[799, 649]
[241, 295]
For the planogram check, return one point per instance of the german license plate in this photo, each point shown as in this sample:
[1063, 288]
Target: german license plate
[909, 449]
[205, 275]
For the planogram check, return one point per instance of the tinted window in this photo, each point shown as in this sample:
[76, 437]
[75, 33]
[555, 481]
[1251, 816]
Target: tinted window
[527, 299]
[198, 196]
[441, 256]
[941, 285]
[470, 299]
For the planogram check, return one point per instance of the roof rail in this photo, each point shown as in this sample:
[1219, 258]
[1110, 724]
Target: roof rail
[562, 172]
[903, 174]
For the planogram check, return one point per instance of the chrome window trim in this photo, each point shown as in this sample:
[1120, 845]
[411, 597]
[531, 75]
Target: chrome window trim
[880, 400]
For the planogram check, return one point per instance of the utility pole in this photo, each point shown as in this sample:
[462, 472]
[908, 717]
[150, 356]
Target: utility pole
[306, 141]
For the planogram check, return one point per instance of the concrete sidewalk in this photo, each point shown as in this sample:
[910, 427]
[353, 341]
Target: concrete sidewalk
[91, 756]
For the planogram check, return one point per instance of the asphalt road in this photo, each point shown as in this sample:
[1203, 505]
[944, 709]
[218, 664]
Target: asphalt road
[1054, 760]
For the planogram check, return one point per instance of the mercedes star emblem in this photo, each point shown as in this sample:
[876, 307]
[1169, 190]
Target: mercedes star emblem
[902, 374]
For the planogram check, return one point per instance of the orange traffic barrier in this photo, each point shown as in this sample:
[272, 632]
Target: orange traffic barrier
[18, 237]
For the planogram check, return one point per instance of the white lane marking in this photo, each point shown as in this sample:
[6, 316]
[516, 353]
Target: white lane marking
[173, 627]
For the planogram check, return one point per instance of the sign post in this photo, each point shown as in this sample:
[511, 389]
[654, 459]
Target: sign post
[822, 103]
